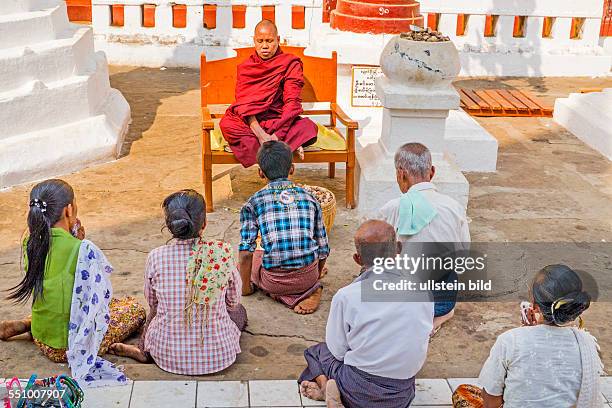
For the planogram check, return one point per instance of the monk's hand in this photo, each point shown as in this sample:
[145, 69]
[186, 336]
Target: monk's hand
[264, 137]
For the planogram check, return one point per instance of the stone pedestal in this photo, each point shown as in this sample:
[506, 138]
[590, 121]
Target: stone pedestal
[416, 94]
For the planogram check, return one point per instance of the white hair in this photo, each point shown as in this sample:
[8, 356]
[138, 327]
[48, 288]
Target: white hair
[414, 158]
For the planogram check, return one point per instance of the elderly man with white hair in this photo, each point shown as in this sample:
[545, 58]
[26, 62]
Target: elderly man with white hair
[421, 213]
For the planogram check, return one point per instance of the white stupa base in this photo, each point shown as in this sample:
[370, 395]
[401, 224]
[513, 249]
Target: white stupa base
[64, 149]
[377, 184]
[58, 112]
[588, 117]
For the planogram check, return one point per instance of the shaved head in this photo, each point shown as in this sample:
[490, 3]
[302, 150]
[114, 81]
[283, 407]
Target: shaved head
[375, 239]
[266, 39]
[266, 25]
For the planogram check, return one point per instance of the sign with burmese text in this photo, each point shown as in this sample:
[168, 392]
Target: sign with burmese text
[363, 86]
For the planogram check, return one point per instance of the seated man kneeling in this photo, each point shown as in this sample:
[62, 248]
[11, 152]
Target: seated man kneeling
[373, 350]
[293, 235]
[422, 214]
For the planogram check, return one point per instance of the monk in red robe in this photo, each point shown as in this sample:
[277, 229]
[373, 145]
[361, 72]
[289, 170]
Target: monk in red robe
[268, 100]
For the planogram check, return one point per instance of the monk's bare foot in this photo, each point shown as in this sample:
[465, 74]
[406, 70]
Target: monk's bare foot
[310, 304]
[300, 152]
[11, 328]
[332, 395]
[323, 272]
[127, 350]
[311, 389]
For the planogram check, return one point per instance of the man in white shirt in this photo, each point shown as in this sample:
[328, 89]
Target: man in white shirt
[373, 350]
[422, 214]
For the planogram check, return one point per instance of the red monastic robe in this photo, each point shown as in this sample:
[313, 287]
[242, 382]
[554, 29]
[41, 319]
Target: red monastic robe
[270, 90]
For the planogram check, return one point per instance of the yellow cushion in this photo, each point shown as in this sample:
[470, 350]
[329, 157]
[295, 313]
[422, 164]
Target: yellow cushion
[327, 139]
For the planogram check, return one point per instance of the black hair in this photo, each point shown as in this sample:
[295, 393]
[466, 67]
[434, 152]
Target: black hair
[557, 290]
[47, 202]
[274, 158]
[185, 213]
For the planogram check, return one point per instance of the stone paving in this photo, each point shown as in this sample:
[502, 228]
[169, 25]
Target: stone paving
[548, 187]
[432, 393]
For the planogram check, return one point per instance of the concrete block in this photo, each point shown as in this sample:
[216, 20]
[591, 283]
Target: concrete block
[103, 397]
[588, 117]
[432, 392]
[164, 394]
[277, 393]
[220, 394]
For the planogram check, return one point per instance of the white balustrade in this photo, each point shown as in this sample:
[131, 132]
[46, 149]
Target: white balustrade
[223, 34]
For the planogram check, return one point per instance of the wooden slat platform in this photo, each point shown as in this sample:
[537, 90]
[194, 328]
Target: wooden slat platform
[502, 102]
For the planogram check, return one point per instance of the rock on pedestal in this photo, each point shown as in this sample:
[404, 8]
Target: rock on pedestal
[58, 112]
[416, 94]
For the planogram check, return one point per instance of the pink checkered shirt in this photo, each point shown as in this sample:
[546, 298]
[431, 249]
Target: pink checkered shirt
[200, 348]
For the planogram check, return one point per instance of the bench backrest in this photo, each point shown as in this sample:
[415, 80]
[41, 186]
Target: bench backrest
[218, 78]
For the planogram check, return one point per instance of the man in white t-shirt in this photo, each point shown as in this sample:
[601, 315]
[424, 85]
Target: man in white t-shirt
[422, 214]
[373, 349]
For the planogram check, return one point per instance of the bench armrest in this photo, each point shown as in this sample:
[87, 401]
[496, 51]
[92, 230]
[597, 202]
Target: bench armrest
[207, 122]
[343, 117]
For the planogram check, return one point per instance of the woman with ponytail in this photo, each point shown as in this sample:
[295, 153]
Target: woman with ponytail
[74, 318]
[193, 287]
[550, 362]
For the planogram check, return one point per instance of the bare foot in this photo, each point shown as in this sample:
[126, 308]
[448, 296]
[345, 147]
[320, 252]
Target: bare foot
[310, 304]
[248, 290]
[332, 395]
[127, 350]
[311, 389]
[323, 272]
[11, 328]
[300, 152]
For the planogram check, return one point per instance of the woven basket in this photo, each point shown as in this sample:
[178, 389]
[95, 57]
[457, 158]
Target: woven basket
[328, 209]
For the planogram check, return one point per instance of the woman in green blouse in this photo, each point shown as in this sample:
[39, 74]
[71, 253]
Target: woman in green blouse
[50, 259]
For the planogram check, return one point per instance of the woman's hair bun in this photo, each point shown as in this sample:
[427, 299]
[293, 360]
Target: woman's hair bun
[570, 307]
[180, 224]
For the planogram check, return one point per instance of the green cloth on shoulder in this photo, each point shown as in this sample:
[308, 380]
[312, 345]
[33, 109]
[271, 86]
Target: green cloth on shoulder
[51, 312]
[415, 212]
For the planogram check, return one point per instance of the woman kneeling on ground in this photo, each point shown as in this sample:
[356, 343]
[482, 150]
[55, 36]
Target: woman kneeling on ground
[73, 316]
[193, 288]
[550, 362]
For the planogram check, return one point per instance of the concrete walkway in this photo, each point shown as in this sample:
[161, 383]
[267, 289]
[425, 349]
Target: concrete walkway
[432, 393]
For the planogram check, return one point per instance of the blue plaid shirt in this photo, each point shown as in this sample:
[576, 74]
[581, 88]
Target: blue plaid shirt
[289, 220]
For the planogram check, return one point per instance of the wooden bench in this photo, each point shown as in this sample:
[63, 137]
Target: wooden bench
[218, 83]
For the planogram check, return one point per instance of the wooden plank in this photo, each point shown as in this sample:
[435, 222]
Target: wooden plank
[495, 107]
[534, 109]
[467, 101]
[522, 109]
[506, 106]
[484, 107]
[545, 109]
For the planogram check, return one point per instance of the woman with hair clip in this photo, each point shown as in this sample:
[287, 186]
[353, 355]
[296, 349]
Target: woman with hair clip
[550, 362]
[67, 277]
[193, 287]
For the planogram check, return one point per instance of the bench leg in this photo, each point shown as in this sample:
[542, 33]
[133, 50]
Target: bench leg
[208, 194]
[350, 185]
[332, 170]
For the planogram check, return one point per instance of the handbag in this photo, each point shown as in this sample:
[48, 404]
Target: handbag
[53, 392]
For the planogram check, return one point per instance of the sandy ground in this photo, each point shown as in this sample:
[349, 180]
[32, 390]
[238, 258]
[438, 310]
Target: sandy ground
[549, 187]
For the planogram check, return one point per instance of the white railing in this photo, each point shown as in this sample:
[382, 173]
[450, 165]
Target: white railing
[164, 31]
[560, 15]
